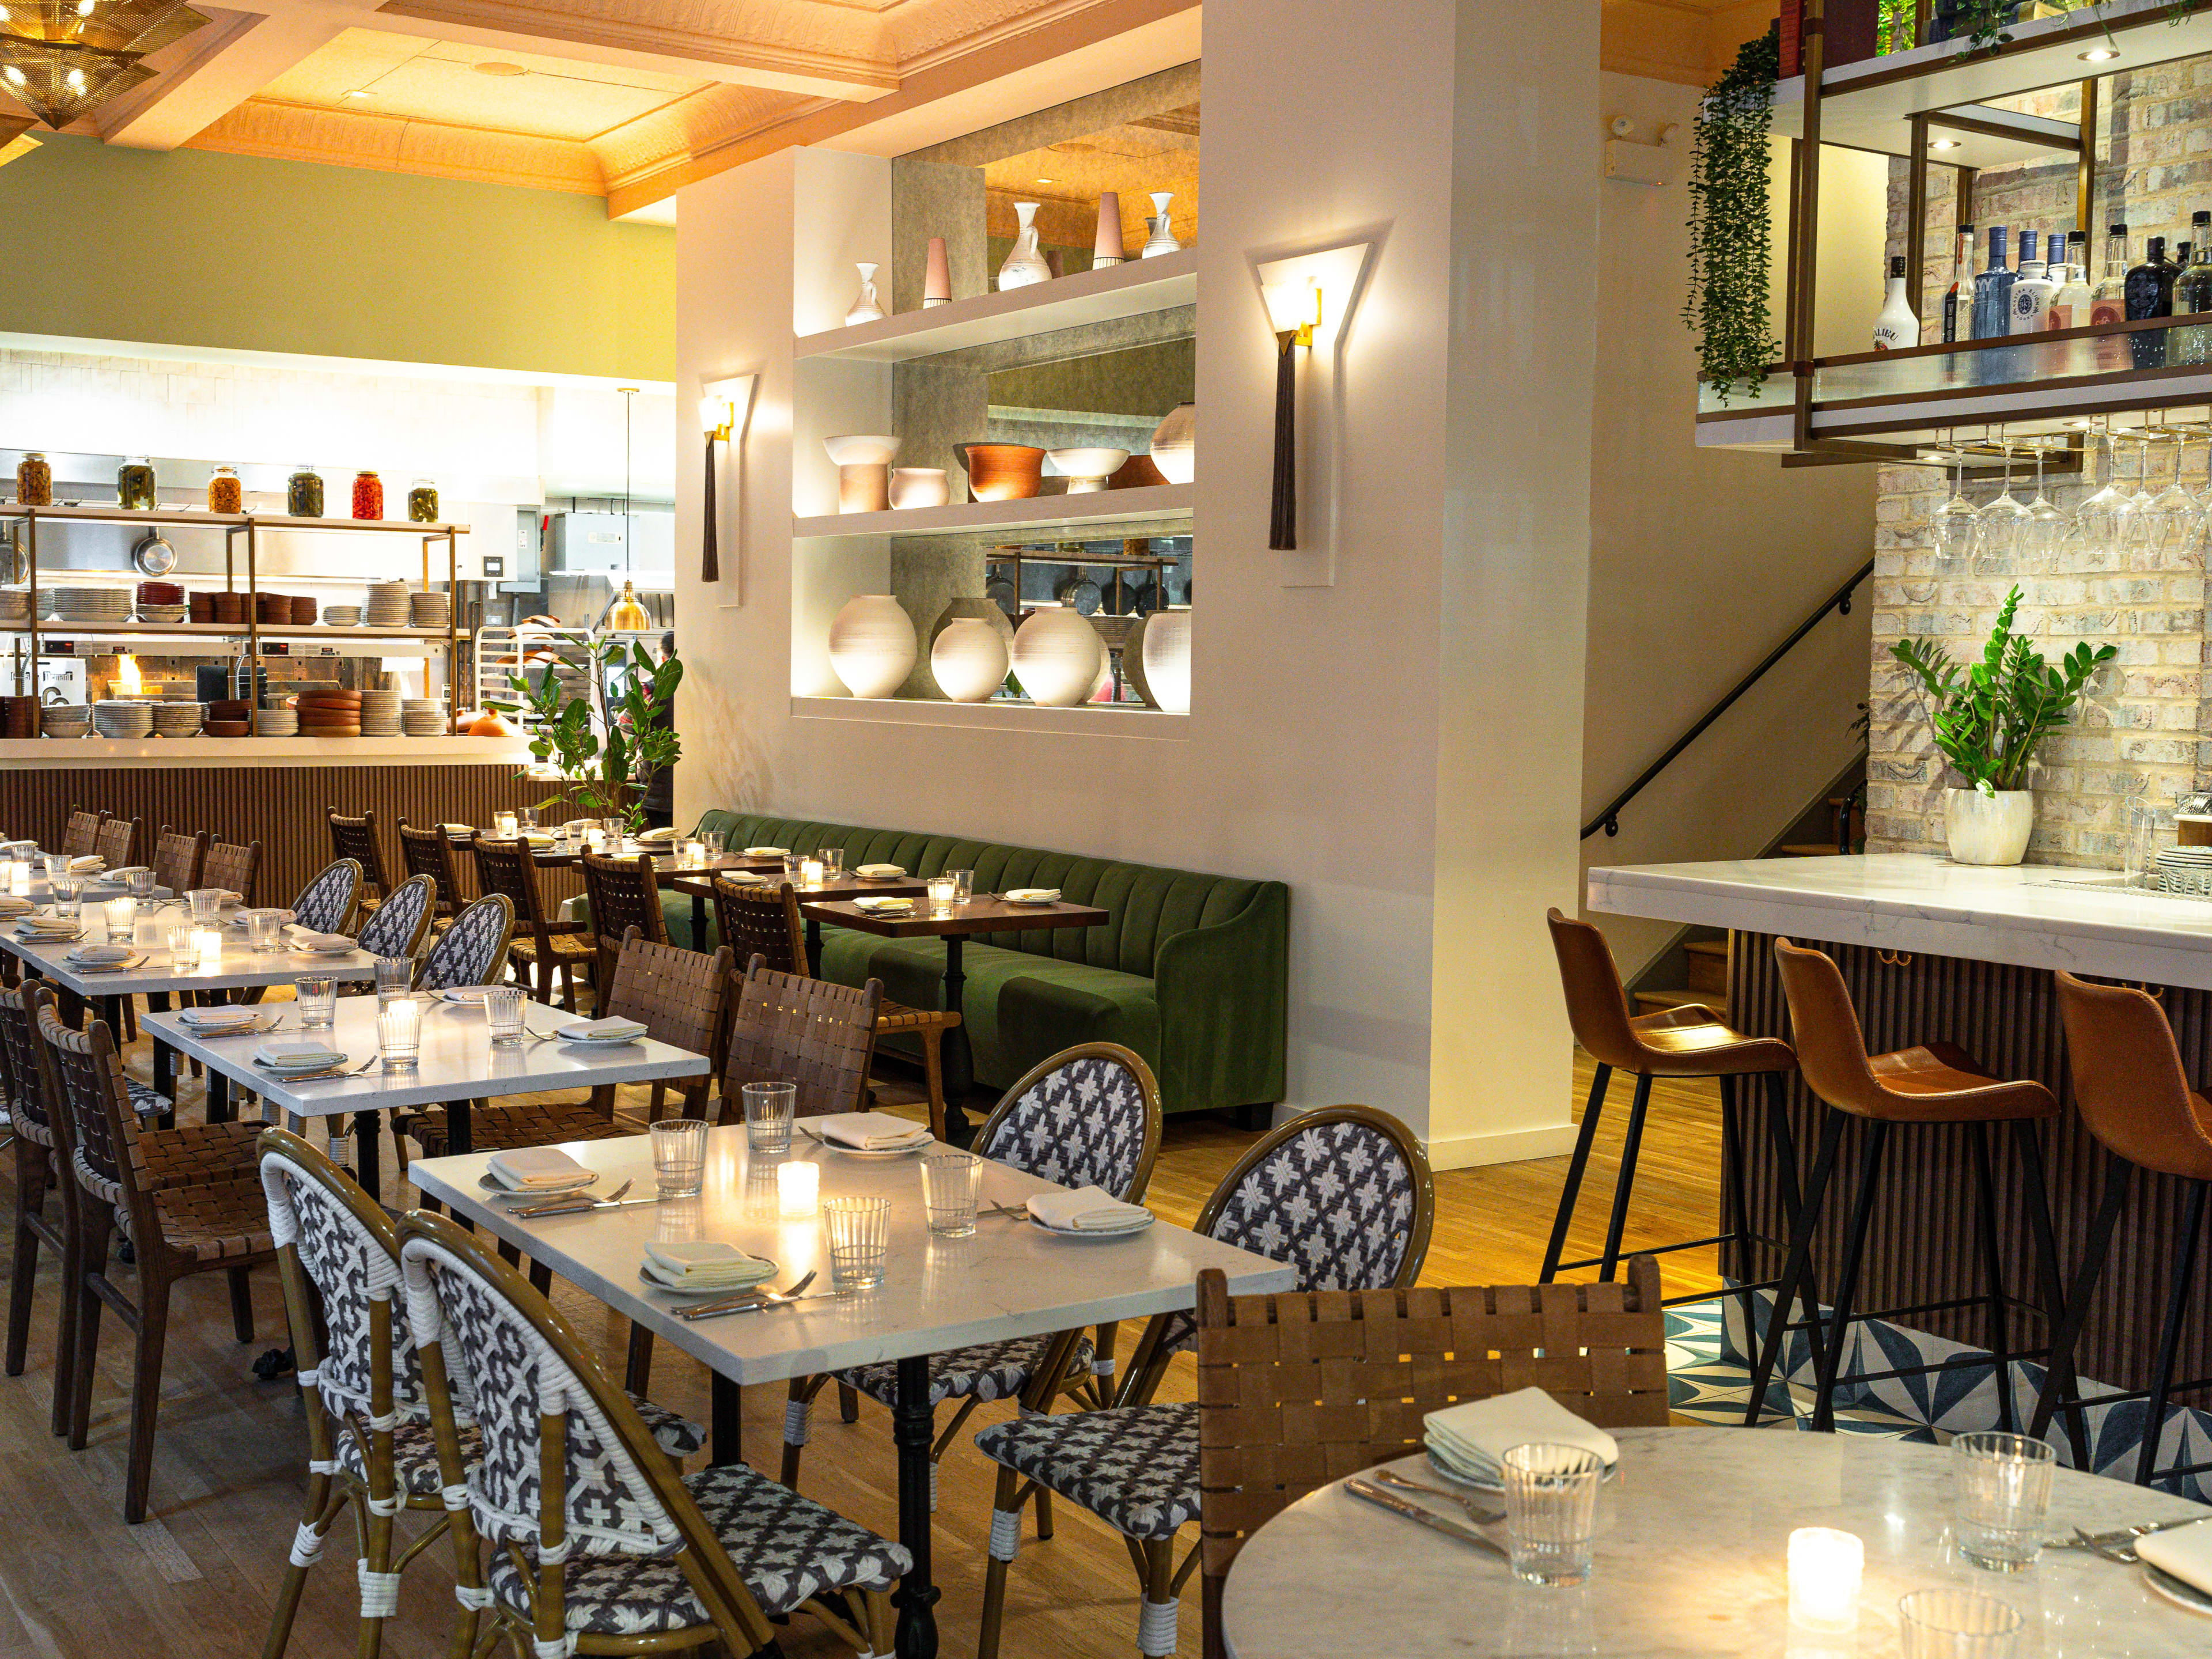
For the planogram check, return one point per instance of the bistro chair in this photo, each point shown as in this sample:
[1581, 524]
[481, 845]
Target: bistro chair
[622, 894]
[1344, 1196]
[327, 903]
[116, 843]
[356, 839]
[42, 1166]
[187, 1199]
[430, 853]
[398, 926]
[789, 1028]
[233, 867]
[595, 1543]
[1298, 1390]
[1088, 1117]
[82, 832]
[1935, 1085]
[542, 947]
[473, 950]
[179, 859]
[763, 918]
[2133, 1096]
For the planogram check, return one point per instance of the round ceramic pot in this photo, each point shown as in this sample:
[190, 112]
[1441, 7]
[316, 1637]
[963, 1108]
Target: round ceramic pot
[1988, 828]
[1087, 470]
[920, 486]
[1057, 656]
[1164, 650]
[973, 609]
[1175, 444]
[1001, 472]
[863, 461]
[968, 660]
[871, 645]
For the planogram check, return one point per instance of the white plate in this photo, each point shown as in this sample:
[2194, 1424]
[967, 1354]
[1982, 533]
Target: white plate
[2182, 1595]
[1094, 1234]
[1470, 1484]
[491, 1183]
[1033, 904]
[653, 1283]
[869, 1154]
[601, 1042]
[317, 1066]
[468, 996]
[321, 949]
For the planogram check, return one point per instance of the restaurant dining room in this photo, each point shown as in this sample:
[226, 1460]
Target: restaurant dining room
[657, 994]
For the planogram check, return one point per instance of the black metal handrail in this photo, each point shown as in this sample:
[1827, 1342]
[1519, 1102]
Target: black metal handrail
[1609, 819]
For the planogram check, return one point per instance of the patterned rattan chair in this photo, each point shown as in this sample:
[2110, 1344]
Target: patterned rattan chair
[117, 843]
[542, 948]
[327, 902]
[1343, 1195]
[356, 839]
[1090, 1116]
[233, 867]
[82, 833]
[41, 1168]
[398, 925]
[1296, 1391]
[473, 950]
[757, 917]
[789, 1028]
[179, 859]
[595, 1543]
[190, 1202]
[428, 852]
[623, 894]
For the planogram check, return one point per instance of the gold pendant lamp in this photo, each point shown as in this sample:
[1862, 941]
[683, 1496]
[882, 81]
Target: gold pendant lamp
[60, 58]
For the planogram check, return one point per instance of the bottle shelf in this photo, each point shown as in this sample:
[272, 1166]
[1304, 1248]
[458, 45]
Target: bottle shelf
[1097, 510]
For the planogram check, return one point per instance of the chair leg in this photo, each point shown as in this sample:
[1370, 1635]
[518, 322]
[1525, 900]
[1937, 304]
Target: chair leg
[798, 1415]
[1877, 1139]
[1005, 1538]
[1155, 1618]
[1625, 1184]
[146, 1386]
[637, 1371]
[98, 1229]
[375, 1561]
[2176, 1304]
[1795, 1268]
[1592, 1110]
[67, 1318]
[241, 1303]
[316, 1517]
[1735, 1194]
[848, 1403]
[2061, 1384]
[1985, 1188]
[1783, 1140]
[933, 1071]
[32, 1164]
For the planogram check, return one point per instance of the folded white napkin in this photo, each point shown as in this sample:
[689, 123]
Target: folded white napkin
[1468, 1439]
[214, 1019]
[767, 852]
[48, 928]
[664, 834]
[528, 1168]
[602, 1030]
[224, 895]
[880, 870]
[459, 829]
[1034, 895]
[2185, 1552]
[882, 905]
[704, 1264]
[471, 996]
[748, 878]
[868, 1132]
[307, 938]
[127, 870]
[1087, 1210]
[86, 864]
[303, 1056]
[93, 955]
[12, 905]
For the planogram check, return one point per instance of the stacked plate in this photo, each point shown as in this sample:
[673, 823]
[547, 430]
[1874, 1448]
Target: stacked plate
[2187, 869]
[118, 718]
[14, 606]
[379, 714]
[66, 720]
[92, 604]
[421, 717]
[341, 615]
[277, 723]
[388, 606]
[330, 713]
[178, 720]
[431, 609]
[160, 613]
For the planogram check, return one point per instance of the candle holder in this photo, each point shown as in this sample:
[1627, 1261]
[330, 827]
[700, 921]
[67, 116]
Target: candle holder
[810, 871]
[207, 946]
[399, 1034]
[797, 1191]
[1825, 1567]
[942, 890]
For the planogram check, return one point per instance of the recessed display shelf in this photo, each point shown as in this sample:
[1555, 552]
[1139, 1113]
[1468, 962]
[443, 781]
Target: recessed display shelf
[1100, 508]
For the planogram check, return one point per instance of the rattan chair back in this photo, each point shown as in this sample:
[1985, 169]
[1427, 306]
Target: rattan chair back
[680, 996]
[398, 925]
[179, 859]
[789, 1028]
[116, 842]
[1089, 1116]
[623, 894]
[233, 868]
[761, 919]
[430, 853]
[327, 902]
[356, 839]
[81, 831]
[473, 950]
[22, 1076]
[85, 1079]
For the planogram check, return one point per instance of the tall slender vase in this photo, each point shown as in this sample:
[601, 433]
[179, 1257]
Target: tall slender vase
[1106, 245]
[937, 280]
[1024, 265]
[1163, 239]
[865, 309]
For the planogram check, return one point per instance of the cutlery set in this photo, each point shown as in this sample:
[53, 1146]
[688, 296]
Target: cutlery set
[755, 1301]
[2117, 1546]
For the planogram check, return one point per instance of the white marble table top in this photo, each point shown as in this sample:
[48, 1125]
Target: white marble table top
[242, 966]
[2036, 915]
[457, 1061]
[1009, 1278]
[1692, 1559]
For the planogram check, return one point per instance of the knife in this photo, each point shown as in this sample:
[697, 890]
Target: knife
[1368, 1490]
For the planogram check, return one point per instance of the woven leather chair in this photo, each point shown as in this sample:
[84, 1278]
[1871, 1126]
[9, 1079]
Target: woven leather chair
[235, 868]
[81, 832]
[117, 843]
[328, 902]
[179, 859]
[429, 852]
[356, 839]
[595, 1542]
[622, 893]
[758, 917]
[789, 1028]
[398, 925]
[1344, 1195]
[1296, 1391]
[188, 1199]
[42, 1166]
[542, 948]
[1088, 1117]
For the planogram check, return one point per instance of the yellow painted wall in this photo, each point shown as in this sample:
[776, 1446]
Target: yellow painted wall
[195, 248]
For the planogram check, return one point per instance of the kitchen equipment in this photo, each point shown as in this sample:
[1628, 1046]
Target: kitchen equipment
[216, 684]
[153, 555]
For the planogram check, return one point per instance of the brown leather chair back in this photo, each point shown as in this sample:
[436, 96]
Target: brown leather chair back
[1597, 1006]
[1831, 1049]
[2127, 1079]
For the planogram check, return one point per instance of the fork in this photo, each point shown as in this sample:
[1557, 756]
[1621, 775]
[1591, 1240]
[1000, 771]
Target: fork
[2120, 1545]
[750, 1301]
[572, 1206]
[1475, 1512]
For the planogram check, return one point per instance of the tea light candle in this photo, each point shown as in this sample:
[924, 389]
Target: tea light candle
[942, 890]
[18, 878]
[810, 871]
[1824, 1569]
[122, 914]
[797, 1190]
[208, 942]
[399, 1028]
[503, 826]
[695, 853]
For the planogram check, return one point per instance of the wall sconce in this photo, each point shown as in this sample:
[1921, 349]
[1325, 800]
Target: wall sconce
[724, 406]
[1310, 298]
[1294, 308]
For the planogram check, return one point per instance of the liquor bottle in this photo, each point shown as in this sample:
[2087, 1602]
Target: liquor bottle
[1993, 290]
[2070, 307]
[2032, 288]
[1898, 327]
[1962, 284]
[2192, 293]
[2108, 302]
[2150, 294]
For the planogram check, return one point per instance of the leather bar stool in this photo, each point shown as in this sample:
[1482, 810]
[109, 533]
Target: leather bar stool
[2136, 1099]
[1680, 1042]
[1933, 1085]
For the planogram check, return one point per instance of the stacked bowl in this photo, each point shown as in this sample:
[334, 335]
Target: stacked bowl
[422, 717]
[66, 720]
[120, 717]
[341, 615]
[277, 720]
[379, 714]
[98, 606]
[330, 713]
[430, 610]
[388, 605]
[178, 720]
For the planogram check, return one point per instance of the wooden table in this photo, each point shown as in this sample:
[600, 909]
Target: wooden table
[986, 912]
[1009, 1280]
[701, 888]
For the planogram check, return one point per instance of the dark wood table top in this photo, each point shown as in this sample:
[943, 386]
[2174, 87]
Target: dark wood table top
[693, 882]
[663, 863]
[986, 913]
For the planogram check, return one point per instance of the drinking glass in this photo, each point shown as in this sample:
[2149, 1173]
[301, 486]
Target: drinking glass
[504, 825]
[617, 832]
[1550, 1511]
[1997, 527]
[318, 995]
[57, 865]
[142, 885]
[948, 1193]
[2170, 520]
[833, 862]
[66, 894]
[1954, 522]
[963, 885]
[503, 1015]
[2046, 527]
[860, 1234]
[680, 1156]
[526, 817]
[769, 1110]
[207, 905]
[1955, 1624]
[399, 1033]
[718, 842]
[2002, 1484]
[2106, 516]
[264, 930]
[95, 920]
[395, 977]
[942, 891]
[177, 940]
[793, 869]
[122, 915]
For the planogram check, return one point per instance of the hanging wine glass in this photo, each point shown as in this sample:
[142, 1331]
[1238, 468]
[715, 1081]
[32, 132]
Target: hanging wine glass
[1997, 527]
[2170, 520]
[1954, 522]
[2104, 517]
[2046, 528]
[2136, 539]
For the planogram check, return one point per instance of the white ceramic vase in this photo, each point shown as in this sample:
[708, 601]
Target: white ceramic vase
[919, 486]
[1988, 828]
[968, 660]
[1175, 444]
[1057, 655]
[1161, 239]
[1024, 265]
[871, 645]
[863, 463]
[865, 306]
[1164, 651]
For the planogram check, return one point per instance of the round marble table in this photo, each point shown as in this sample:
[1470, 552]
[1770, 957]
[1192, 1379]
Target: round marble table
[1691, 1560]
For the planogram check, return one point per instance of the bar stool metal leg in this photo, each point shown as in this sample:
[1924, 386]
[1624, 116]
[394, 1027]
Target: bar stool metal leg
[1793, 1203]
[1625, 1184]
[1736, 1199]
[1870, 1155]
[1795, 1268]
[2059, 1382]
[1591, 1111]
[2053, 1291]
[2176, 1304]
[1985, 1189]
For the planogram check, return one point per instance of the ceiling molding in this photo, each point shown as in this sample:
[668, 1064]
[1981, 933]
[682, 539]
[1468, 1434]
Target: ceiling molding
[388, 143]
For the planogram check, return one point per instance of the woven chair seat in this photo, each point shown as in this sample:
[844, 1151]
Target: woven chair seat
[414, 1450]
[1134, 1466]
[897, 1016]
[499, 1128]
[787, 1549]
[576, 947]
[218, 1222]
[987, 1371]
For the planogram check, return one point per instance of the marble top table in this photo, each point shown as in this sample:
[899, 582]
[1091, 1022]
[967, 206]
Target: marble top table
[1009, 1278]
[1691, 1559]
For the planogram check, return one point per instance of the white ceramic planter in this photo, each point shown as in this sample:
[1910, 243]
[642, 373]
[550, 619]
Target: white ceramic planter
[871, 645]
[1988, 828]
[919, 486]
[968, 659]
[1057, 656]
[1175, 444]
[1165, 652]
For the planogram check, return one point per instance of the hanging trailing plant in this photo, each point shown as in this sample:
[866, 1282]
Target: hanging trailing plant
[1730, 227]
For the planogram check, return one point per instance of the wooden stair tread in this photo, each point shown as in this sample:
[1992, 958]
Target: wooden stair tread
[1807, 849]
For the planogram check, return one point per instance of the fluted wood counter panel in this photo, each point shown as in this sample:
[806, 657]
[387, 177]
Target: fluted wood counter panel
[1921, 1244]
[281, 806]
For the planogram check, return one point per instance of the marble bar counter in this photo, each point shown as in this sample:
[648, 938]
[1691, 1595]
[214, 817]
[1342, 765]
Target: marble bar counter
[1934, 952]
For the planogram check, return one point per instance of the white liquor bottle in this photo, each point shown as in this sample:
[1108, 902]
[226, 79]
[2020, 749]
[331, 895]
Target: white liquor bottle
[1898, 327]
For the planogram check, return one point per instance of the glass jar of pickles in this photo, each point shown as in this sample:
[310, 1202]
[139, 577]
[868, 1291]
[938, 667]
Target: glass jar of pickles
[225, 492]
[34, 481]
[134, 485]
[303, 493]
[367, 495]
[422, 502]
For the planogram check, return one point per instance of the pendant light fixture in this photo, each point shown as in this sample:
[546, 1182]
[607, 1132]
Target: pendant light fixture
[60, 58]
[628, 614]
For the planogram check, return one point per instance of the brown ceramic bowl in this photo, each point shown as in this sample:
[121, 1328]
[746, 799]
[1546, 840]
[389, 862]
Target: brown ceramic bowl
[229, 607]
[230, 710]
[272, 608]
[1138, 472]
[200, 607]
[303, 611]
[1001, 472]
[226, 728]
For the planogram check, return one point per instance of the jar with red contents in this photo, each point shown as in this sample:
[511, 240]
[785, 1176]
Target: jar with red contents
[367, 495]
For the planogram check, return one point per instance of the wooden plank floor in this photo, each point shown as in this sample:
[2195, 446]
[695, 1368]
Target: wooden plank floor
[194, 1580]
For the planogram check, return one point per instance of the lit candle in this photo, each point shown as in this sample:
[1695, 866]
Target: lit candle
[208, 941]
[695, 853]
[503, 826]
[798, 1188]
[942, 890]
[400, 1031]
[810, 871]
[122, 913]
[18, 878]
[1825, 1568]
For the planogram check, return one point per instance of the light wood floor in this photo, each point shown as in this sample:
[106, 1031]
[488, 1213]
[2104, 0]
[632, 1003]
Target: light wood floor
[194, 1580]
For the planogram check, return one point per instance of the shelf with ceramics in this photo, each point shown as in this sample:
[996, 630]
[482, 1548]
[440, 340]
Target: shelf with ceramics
[1151, 503]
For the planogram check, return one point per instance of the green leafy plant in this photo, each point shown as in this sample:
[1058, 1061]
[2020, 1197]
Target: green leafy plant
[606, 756]
[1990, 719]
[1731, 227]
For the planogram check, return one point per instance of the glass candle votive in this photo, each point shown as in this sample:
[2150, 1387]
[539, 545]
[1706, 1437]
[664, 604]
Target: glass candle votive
[177, 939]
[833, 862]
[122, 916]
[617, 832]
[768, 1111]
[503, 1015]
[1955, 1624]
[694, 855]
[1825, 1567]
[207, 946]
[680, 1156]
[811, 871]
[948, 1193]
[317, 997]
[716, 841]
[57, 866]
[399, 1032]
[942, 890]
[18, 878]
[525, 818]
[858, 1231]
[797, 1190]
[1550, 1511]
[66, 894]
[2002, 1490]
[395, 977]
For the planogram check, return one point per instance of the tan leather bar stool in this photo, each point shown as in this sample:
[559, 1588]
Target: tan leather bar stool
[1687, 1041]
[1936, 1085]
[2135, 1098]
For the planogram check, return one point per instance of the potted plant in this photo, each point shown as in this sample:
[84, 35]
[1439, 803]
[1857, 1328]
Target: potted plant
[606, 756]
[1989, 720]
